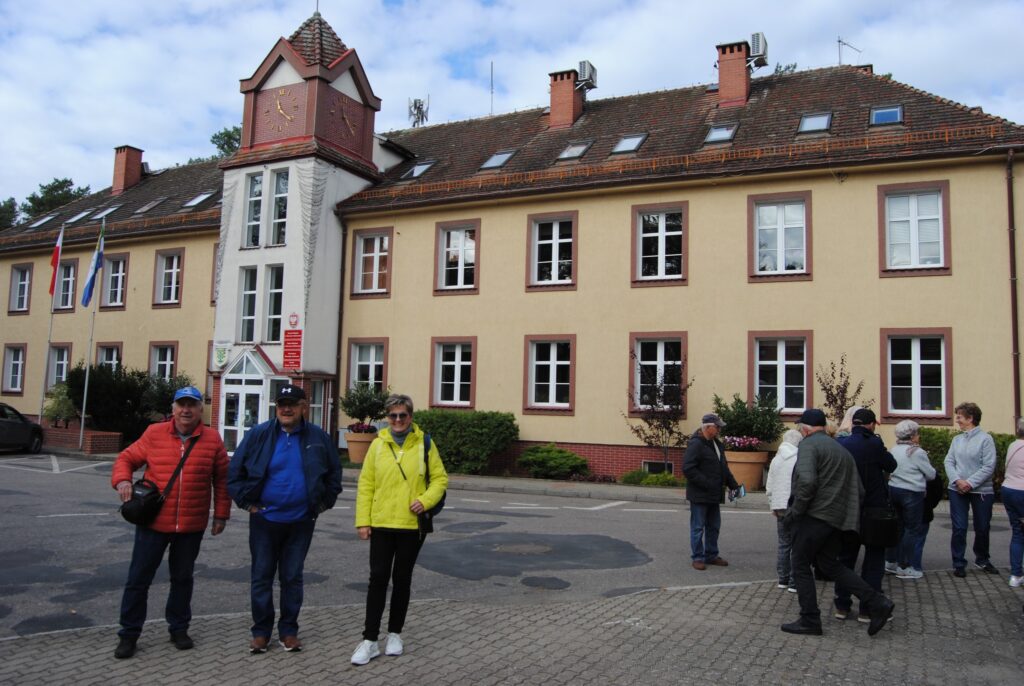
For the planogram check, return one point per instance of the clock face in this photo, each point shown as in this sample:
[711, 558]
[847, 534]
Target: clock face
[343, 112]
[282, 110]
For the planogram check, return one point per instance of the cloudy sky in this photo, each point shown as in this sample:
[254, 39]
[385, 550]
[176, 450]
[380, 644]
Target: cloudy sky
[80, 78]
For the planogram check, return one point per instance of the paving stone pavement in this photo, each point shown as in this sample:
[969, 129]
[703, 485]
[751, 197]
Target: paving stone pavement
[945, 631]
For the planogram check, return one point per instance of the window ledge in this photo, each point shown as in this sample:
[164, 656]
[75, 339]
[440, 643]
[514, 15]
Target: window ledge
[652, 283]
[541, 287]
[16, 313]
[553, 411]
[475, 290]
[915, 271]
[369, 296]
[923, 419]
[779, 276]
[167, 305]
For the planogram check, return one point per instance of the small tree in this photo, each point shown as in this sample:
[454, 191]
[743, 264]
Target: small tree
[660, 404]
[59, 406]
[759, 419]
[835, 384]
[365, 404]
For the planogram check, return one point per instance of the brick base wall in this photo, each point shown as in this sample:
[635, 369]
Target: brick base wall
[610, 460]
[93, 442]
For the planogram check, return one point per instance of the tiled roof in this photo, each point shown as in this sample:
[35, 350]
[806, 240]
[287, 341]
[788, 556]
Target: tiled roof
[317, 42]
[177, 185]
[677, 122]
[300, 148]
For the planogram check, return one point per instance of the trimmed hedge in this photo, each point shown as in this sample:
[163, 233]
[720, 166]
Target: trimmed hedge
[551, 462]
[639, 477]
[468, 440]
[936, 442]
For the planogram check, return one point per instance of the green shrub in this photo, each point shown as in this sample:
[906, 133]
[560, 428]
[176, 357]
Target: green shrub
[662, 479]
[936, 442]
[633, 478]
[468, 440]
[551, 462]
[759, 419]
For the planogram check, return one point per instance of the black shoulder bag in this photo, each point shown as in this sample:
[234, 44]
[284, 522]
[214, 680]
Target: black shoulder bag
[425, 519]
[147, 499]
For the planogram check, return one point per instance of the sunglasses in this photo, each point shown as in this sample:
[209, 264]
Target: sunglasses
[396, 416]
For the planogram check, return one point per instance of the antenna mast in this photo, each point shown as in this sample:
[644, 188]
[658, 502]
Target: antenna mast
[418, 110]
[840, 43]
[492, 87]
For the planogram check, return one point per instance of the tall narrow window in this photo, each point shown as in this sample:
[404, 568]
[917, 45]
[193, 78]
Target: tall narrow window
[161, 362]
[60, 358]
[781, 372]
[115, 274]
[254, 211]
[453, 373]
[316, 403]
[168, 277]
[917, 375]
[275, 303]
[657, 372]
[14, 369]
[780, 238]
[108, 356]
[366, 365]
[21, 283]
[371, 263]
[277, 225]
[247, 305]
[659, 247]
[457, 259]
[66, 286]
[914, 230]
[550, 373]
[552, 259]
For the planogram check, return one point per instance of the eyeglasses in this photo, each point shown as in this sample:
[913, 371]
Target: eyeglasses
[398, 416]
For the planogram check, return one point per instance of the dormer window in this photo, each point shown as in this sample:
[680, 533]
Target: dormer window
[892, 114]
[810, 123]
[630, 143]
[149, 205]
[721, 133]
[498, 159]
[418, 170]
[40, 222]
[574, 151]
[103, 213]
[198, 199]
[79, 216]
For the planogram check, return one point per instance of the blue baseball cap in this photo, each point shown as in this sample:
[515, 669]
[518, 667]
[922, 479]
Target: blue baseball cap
[189, 392]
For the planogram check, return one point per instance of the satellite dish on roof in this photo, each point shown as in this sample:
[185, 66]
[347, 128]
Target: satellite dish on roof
[418, 111]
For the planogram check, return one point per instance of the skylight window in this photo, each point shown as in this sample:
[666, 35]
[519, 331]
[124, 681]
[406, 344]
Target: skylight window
[815, 122]
[79, 216]
[498, 159]
[40, 222]
[574, 151]
[630, 143]
[104, 212]
[198, 199]
[418, 170]
[721, 133]
[149, 205]
[886, 115]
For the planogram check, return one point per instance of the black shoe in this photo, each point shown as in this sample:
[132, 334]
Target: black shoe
[798, 627]
[960, 572]
[181, 640]
[125, 647]
[987, 567]
[880, 614]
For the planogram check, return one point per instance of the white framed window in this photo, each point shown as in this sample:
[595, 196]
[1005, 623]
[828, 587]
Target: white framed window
[198, 199]
[550, 374]
[315, 393]
[917, 372]
[630, 143]
[498, 159]
[14, 369]
[552, 243]
[371, 263]
[168, 277]
[457, 259]
[150, 205]
[657, 361]
[892, 114]
[275, 303]
[253, 210]
[161, 361]
[59, 363]
[781, 237]
[815, 122]
[247, 305]
[453, 373]
[109, 356]
[366, 364]
[280, 216]
[21, 285]
[780, 372]
[66, 286]
[115, 275]
[914, 231]
[39, 222]
[721, 133]
[659, 246]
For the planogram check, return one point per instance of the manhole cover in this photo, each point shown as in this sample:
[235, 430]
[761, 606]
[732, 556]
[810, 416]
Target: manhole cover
[523, 549]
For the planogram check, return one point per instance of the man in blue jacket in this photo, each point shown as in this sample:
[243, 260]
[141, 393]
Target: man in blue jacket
[285, 473]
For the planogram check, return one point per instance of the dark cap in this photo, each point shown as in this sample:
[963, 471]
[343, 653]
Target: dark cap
[290, 392]
[712, 418]
[812, 417]
[864, 416]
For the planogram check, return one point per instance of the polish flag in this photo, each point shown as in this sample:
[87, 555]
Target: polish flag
[55, 260]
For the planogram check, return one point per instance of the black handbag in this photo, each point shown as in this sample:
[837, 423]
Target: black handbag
[146, 500]
[879, 527]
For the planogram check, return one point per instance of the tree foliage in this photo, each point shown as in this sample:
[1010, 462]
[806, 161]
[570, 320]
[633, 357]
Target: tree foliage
[783, 69]
[51, 196]
[759, 419]
[8, 213]
[834, 380]
[227, 140]
[662, 411]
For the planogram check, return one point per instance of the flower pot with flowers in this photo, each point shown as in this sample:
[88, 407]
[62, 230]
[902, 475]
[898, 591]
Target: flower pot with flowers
[749, 429]
[363, 403]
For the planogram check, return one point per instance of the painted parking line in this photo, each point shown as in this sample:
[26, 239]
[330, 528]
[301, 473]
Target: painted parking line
[75, 514]
[524, 504]
[473, 500]
[645, 509]
[603, 506]
[528, 507]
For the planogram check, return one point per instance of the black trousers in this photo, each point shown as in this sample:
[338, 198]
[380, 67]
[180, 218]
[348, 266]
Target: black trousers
[821, 543]
[393, 554]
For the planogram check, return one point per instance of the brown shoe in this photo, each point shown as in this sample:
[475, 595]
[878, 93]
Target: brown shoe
[258, 645]
[719, 562]
[698, 565]
[291, 644]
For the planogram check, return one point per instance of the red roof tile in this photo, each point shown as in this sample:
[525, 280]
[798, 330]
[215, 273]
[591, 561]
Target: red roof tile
[317, 42]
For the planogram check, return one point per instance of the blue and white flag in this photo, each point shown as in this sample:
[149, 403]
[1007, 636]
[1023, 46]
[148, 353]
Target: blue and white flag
[94, 268]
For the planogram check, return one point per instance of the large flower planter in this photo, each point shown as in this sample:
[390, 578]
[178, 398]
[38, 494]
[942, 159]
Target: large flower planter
[358, 444]
[748, 468]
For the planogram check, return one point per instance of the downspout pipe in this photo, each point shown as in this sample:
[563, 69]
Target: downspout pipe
[1014, 319]
[340, 378]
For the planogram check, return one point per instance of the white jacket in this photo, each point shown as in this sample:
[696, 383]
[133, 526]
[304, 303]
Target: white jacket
[780, 477]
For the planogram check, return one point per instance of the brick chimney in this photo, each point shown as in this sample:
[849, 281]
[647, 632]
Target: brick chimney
[127, 168]
[733, 74]
[566, 99]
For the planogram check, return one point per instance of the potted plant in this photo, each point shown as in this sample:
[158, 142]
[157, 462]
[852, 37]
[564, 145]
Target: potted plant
[363, 403]
[749, 429]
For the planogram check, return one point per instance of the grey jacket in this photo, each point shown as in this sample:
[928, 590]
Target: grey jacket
[826, 485]
[972, 456]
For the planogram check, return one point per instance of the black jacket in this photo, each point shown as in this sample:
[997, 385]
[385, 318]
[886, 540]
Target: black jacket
[706, 475]
[873, 463]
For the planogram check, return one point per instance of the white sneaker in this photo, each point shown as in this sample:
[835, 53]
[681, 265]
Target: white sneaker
[1016, 581]
[909, 573]
[366, 651]
[891, 568]
[393, 646]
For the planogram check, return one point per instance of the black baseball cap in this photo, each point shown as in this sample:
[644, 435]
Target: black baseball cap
[812, 417]
[290, 392]
[864, 416]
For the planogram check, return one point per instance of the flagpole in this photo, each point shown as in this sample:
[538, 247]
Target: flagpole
[49, 333]
[88, 367]
[88, 291]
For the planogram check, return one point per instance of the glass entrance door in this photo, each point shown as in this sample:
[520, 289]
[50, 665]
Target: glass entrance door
[241, 413]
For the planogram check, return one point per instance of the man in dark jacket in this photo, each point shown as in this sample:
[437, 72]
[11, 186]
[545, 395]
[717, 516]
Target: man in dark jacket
[874, 464]
[707, 474]
[285, 473]
[825, 505]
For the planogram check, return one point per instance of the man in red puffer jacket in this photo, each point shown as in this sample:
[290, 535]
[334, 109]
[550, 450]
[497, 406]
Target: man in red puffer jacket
[182, 519]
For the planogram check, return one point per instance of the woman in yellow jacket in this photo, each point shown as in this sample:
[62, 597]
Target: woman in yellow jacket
[392, 493]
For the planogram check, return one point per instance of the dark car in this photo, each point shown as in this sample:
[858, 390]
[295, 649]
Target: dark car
[19, 433]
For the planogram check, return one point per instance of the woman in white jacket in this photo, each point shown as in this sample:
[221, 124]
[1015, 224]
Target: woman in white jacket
[780, 476]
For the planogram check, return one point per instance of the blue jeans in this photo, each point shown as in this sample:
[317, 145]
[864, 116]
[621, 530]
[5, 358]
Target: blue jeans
[981, 510]
[705, 523]
[147, 554]
[1013, 501]
[280, 548]
[784, 562]
[909, 506]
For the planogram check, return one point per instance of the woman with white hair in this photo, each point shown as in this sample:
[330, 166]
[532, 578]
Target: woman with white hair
[907, 487]
[780, 477]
